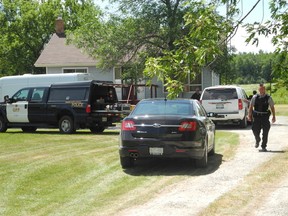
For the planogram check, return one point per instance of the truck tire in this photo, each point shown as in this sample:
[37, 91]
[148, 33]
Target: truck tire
[97, 129]
[3, 124]
[66, 125]
[29, 129]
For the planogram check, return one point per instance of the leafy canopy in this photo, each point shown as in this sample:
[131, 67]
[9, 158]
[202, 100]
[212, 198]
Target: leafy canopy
[171, 39]
[26, 26]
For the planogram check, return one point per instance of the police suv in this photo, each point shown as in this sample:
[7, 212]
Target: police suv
[228, 102]
[67, 106]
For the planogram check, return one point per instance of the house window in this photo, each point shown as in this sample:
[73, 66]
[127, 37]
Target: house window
[117, 73]
[195, 82]
[75, 70]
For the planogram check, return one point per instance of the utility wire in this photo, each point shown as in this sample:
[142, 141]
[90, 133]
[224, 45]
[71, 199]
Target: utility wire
[235, 29]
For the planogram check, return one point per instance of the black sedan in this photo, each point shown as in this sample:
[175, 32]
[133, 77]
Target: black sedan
[178, 128]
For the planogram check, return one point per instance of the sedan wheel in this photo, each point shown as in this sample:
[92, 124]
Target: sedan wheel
[126, 162]
[212, 151]
[202, 163]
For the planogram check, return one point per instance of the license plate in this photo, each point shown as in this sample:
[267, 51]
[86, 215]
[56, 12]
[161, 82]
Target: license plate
[156, 151]
[104, 119]
[219, 106]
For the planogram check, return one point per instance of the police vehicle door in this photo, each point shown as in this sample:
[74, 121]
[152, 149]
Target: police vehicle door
[17, 111]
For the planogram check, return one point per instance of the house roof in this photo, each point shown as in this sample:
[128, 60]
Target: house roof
[57, 53]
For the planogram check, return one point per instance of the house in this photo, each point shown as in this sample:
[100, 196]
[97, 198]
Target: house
[60, 57]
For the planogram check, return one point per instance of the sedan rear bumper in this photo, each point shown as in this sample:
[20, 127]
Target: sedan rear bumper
[194, 150]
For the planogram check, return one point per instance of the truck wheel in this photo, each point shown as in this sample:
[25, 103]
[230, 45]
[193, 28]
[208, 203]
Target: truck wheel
[66, 125]
[97, 129]
[3, 125]
[29, 129]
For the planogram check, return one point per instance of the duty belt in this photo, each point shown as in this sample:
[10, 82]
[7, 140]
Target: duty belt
[260, 113]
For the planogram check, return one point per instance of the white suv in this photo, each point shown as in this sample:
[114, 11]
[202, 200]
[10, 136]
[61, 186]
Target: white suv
[229, 102]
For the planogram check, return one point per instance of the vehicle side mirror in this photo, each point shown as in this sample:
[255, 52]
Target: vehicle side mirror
[7, 99]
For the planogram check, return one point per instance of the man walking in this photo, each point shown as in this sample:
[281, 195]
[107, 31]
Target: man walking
[259, 108]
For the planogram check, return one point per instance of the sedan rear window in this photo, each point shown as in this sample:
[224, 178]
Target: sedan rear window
[222, 94]
[163, 108]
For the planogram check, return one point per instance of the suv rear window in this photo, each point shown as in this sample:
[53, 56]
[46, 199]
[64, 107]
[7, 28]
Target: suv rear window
[222, 94]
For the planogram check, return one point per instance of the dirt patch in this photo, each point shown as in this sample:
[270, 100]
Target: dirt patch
[192, 195]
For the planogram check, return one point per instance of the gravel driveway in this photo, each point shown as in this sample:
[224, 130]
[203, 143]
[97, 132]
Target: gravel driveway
[192, 195]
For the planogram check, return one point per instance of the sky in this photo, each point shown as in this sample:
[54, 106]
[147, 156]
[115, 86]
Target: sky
[260, 14]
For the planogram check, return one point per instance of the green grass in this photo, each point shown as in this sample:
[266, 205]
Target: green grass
[47, 173]
[280, 96]
[281, 109]
[227, 143]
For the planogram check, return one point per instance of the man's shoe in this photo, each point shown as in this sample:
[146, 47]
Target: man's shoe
[256, 144]
[263, 150]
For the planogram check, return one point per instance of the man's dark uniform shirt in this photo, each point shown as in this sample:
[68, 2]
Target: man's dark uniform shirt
[261, 114]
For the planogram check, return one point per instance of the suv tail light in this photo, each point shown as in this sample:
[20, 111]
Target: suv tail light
[128, 125]
[88, 108]
[240, 104]
[188, 126]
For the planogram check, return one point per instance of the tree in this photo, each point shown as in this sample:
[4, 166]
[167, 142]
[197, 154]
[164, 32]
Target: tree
[278, 28]
[177, 36]
[194, 51]
[252, 68]
[143, 29]
[27, 25]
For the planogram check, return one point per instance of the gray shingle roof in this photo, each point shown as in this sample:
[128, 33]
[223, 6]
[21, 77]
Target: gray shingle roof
[57, 53]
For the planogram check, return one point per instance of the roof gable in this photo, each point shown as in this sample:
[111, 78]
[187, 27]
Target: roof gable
[57, 53]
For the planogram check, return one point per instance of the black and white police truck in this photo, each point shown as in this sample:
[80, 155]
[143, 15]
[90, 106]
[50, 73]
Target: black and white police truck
[67, 106]
[10, 84]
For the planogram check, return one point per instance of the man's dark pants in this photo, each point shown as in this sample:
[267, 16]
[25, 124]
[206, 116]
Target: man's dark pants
[261, 122]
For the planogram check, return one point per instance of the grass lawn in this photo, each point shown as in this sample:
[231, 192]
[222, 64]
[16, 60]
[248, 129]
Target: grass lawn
[281, 109]
[280, 96]
[47, 173]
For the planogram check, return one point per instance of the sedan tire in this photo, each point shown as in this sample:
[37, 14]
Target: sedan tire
[126, 162]
[212, 151]
[203, 162]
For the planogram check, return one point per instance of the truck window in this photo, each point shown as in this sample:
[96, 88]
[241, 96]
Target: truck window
[66, 94]
[37, 94]
[21, 95]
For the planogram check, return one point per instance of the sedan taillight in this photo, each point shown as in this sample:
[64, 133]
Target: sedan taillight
[128, 125]
[188, 126]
